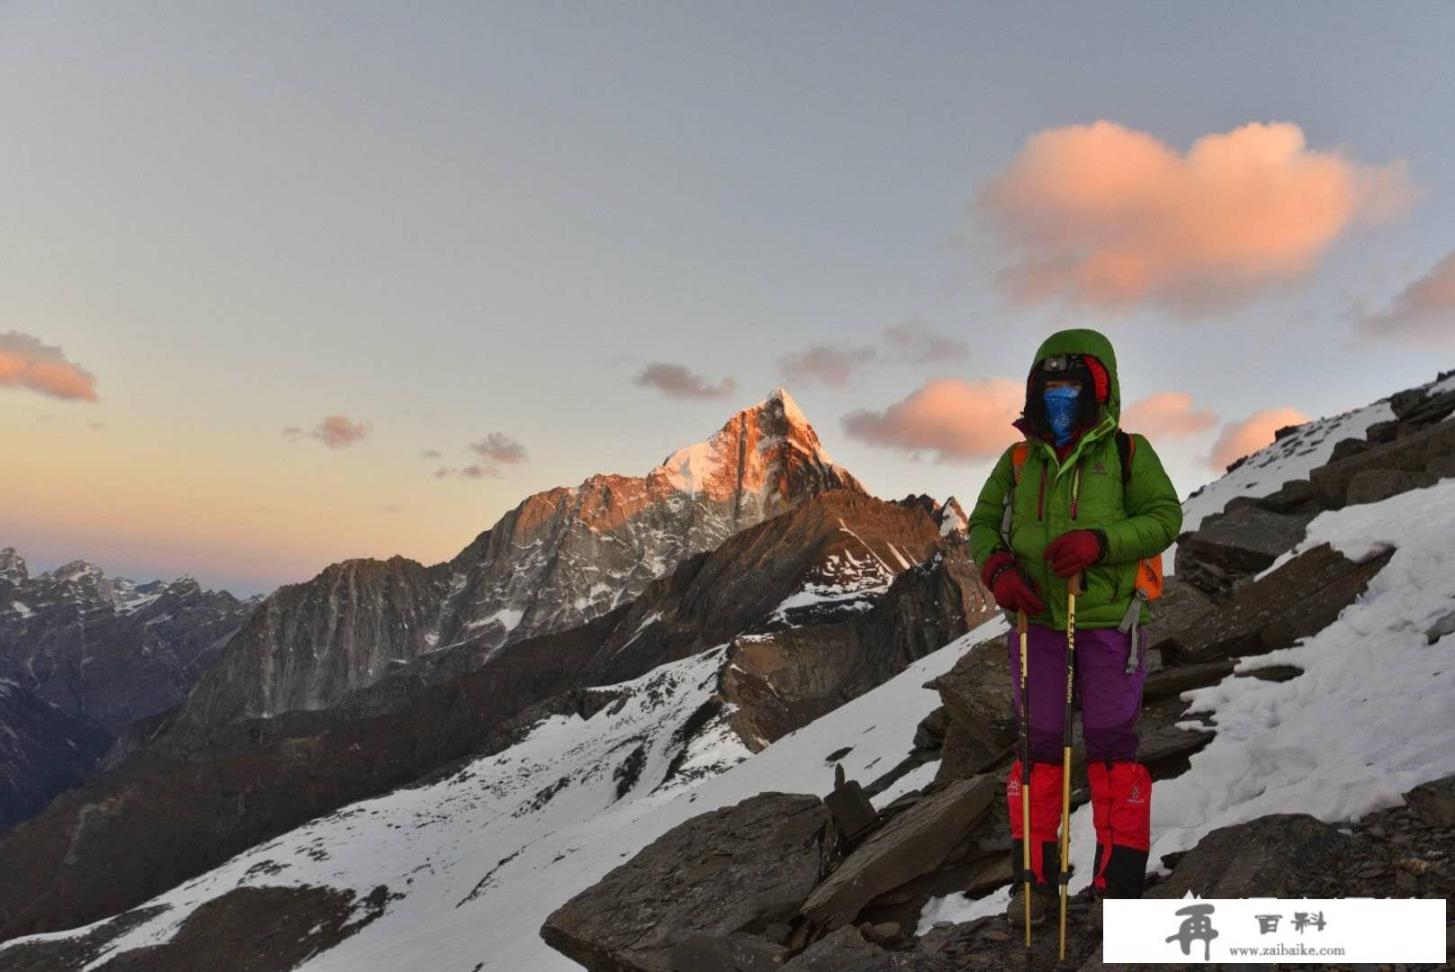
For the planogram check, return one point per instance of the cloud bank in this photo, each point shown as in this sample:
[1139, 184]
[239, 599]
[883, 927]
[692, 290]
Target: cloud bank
[677, 381]
[1424, 312]
[1167, 415]
[1239, 439]
[1106, 216]
[952, 419]
[26, 362]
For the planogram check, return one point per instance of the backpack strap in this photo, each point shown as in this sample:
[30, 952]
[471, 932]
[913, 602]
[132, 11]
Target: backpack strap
[1126, 450]
[1018, 454]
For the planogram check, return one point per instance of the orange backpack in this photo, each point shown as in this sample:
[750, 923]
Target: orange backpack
[1149, 569]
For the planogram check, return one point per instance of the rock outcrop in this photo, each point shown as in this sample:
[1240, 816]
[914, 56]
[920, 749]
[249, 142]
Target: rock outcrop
[738, 869]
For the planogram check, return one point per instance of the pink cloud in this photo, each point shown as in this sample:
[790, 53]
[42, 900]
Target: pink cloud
[1107, 216]
[1424, 311]
[829, 365]
[678, 381]
[26, 362]
[334, 431]
[1239, 439]
[955, 419]
[1167, 415]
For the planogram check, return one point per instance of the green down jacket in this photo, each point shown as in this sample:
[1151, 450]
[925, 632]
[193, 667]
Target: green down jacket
[1141, 520]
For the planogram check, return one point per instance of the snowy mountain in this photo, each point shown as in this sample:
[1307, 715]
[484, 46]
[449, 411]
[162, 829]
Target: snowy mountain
[815, 606]
[1318, 684]
[559, 559]
[107, 649]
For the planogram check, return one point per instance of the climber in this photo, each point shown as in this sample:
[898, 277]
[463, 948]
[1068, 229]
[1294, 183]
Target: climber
[1078, 497]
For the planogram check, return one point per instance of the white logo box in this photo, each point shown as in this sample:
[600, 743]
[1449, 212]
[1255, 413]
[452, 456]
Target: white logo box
[1268, 930]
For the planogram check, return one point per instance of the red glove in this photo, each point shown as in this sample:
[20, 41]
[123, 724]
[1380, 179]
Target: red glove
[1011, 589]
[1073, 552]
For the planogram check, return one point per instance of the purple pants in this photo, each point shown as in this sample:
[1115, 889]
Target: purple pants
[1110, 700]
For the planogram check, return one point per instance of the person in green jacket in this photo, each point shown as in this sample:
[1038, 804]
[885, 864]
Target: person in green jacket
[1066, 508]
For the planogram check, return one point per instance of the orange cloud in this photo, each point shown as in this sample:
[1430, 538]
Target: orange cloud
[1424, 310]
[1239, 439]
[26, 362]
[1104, 215]
[956, 419]
[1168, 415]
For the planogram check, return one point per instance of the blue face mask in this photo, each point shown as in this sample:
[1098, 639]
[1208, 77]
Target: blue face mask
[1061, 407]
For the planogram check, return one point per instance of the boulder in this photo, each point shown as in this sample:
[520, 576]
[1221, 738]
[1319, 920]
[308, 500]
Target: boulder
[915, 843]
[1176, 679]
[846, 950]
[1345, 448]
[1373, 485]
[735, 952]
[735, 869]
[977, 695]
[1430, 410]
[1382, 431]
[1434, 802]
[1228, 548]
[1298, 599]
[1409, 453]
[1294, 496]
[1180, 605]
[1402, 403]
[1441, 467]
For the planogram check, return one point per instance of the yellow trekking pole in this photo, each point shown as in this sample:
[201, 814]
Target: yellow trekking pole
[1073, 585]
[1020, 626]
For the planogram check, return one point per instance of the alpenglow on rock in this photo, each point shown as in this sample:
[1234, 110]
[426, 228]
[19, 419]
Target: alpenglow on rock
[559, 559]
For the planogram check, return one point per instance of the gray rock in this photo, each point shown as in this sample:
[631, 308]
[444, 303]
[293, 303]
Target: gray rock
[1298, 599]
[1441, 628]
[1402, 403]
[912, 844]
[1441, 467]
[1229, 548]
[1410, 453]
[1294, 496]
[977, 695]
[1381, 432]
[1180, 606]
[1434, 802]
[734, 952]
[1179, 678]
[1373, 485]
[1345, 448]
[739, 868]
[846, 950]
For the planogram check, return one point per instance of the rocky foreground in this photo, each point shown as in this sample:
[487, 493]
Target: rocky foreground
[776, 882]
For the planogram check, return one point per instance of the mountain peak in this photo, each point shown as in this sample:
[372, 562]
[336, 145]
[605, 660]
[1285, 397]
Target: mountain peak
[12, 566]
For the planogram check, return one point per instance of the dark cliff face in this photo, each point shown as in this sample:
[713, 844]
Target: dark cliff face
[561, 558]
[43, 750]
[106, 649]
[170, 810]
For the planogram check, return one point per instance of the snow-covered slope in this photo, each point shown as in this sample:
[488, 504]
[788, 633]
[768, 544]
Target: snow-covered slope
[481, 858]
[1292, 457]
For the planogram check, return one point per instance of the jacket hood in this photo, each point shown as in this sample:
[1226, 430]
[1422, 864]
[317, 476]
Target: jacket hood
[1081, 340]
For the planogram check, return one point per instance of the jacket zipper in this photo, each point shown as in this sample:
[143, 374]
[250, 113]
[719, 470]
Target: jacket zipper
[1041, 496]
[1075, 487]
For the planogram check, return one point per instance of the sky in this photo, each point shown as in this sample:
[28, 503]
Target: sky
[284, 284]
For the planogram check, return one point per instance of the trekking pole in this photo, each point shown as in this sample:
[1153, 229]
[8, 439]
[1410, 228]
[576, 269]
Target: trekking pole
[1020, 626]
[1072, 587]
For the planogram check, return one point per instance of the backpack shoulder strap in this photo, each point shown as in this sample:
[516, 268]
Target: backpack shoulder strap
[1018, 454]
[1126, 450]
